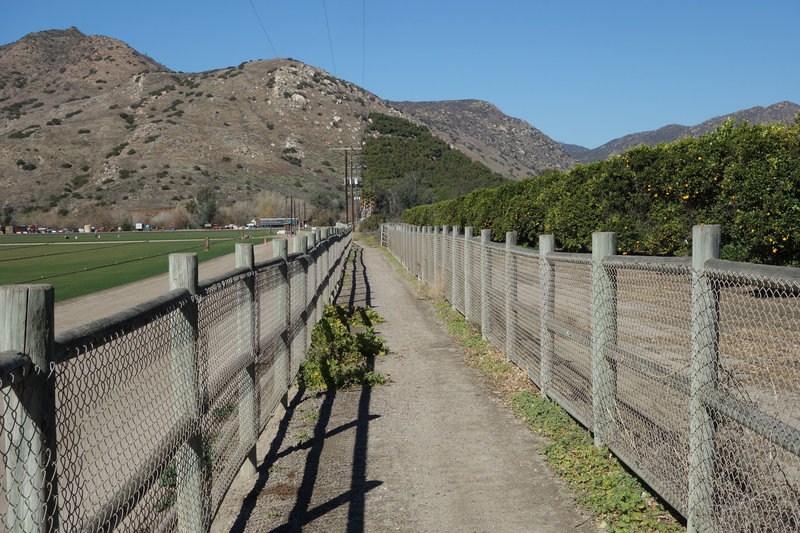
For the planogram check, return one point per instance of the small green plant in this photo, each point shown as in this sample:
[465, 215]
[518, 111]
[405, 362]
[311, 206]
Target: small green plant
[304, 438]
[292, 159]
[117, 150]
[25, 165]
[338, 358]
[603, 486]
[310, 416]
[169, 481]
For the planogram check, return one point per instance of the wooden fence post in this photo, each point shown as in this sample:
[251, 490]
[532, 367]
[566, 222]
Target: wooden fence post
[486, 280]
[29, 414]
[191, 495]
[302, 247]
[280, 249]
[437, 259]
[248, 387]
[705, 361]
[547, 284]
[511, 296]
[443, 243]
[455, 266]
[468, 274]
[604, 333]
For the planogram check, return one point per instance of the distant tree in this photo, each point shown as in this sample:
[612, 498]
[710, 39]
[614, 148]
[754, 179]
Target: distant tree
[203, 206]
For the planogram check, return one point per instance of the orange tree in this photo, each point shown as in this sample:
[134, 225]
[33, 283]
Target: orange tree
[744, 177]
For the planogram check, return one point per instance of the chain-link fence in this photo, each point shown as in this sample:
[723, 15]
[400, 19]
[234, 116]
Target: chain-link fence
[141, 421]
[688, 369]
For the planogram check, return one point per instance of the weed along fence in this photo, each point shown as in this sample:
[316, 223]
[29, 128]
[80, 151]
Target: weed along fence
[688, 369]
[140, 421]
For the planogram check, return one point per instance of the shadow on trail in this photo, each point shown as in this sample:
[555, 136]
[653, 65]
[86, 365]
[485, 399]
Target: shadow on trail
[354, 291]
[356, 294]
[250, 501]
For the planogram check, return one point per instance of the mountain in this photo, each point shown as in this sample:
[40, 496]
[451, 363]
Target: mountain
[506, 145]
[89, 125]
[780, 112]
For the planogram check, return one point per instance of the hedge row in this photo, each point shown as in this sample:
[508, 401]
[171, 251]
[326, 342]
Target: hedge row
[744, 177]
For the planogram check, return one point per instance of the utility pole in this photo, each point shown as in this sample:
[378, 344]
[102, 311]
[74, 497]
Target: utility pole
[349, 181]
[353, 191]
[346, 201]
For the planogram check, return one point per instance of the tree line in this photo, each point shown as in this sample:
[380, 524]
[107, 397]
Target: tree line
[744, 177]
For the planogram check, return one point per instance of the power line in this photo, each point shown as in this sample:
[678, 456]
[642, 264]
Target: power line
[330, 41]
[274, 52]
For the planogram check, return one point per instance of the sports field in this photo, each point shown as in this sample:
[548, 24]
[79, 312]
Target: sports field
[87, 264]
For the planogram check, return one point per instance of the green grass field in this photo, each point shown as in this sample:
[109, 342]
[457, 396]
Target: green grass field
[132, 236]
[75, 268]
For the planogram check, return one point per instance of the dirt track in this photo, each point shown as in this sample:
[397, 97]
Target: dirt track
[430, 451]
[83, 309]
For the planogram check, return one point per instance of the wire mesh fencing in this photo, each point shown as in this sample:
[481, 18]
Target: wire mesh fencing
[140, 421]
[688, 369]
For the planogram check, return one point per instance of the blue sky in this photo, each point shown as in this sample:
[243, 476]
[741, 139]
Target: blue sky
[583, 72]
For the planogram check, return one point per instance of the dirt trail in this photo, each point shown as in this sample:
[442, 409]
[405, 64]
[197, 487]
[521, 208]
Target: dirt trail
[78, 311]
[429, 451]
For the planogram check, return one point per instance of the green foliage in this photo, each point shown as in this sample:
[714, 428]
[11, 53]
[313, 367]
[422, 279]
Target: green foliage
[595, 475]
[117, 150]
[405, 166]
[744, 177]
[164, 89]
[80, 180]
[339, 359]
[371, 223]
[203, 206]
[292, 159]
[15, 110]
[25, 165]
[27, 132]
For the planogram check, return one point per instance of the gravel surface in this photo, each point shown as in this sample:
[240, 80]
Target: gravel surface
[429, 451]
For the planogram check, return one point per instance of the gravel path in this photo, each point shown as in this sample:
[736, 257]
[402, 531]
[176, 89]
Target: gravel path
[429, 451]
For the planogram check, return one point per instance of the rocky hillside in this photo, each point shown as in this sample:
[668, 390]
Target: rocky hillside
[506, 145]
[87, 124]
[780, 112]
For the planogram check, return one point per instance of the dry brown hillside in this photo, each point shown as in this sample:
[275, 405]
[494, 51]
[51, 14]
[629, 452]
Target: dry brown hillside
[89, 127]
[86, 122]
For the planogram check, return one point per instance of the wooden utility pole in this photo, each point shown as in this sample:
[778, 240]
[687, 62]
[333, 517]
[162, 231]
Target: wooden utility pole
[352, 191]
[346, 204]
